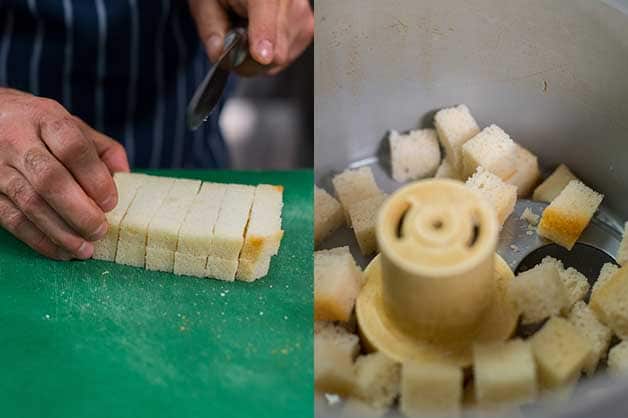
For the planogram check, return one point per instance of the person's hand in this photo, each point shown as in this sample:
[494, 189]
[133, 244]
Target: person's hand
[279, 30]
[55, 176]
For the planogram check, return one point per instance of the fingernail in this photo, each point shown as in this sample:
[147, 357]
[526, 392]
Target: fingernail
[214, 44]
[265, 51]
[100, 232]
[108, 204]
[86, 250]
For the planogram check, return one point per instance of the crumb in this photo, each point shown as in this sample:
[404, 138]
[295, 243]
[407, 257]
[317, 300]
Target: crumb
[261, 313]
[514, 248]
[332, 399]
[182, 328]
[104, 273]
[530, 232]
[285, 317]
[222, 294]
[529, 216]
[46, 316]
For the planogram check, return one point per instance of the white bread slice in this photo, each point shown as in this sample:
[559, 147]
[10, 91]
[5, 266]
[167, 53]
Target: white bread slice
[587, 324]
[414, 155]
[606, 272]
[560, 352]
[249, 271]
[334, 352]
[263, 231]
[190, 265]
[539, 293]
[337, 281]
[609, 303]
[363, 216]
[353, 186]
[529, 216]
[554, 184]
[569, 213]
[455, 126]
[134, 226]
[622, 253]
[377, 379]
[502, 196]
[328, 215]
[492, 149]
[228, 237]
[221, 268]
[430, 389]
[618, 359]
[527, 172]
[447, 171]
[504, 372]
[127, 185]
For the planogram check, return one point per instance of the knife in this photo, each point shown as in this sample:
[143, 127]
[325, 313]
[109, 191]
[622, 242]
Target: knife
[208, 93]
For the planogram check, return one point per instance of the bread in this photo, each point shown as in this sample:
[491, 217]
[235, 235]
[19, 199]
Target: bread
[527, 173]
[163, 230]
[529, 216]
[587, 324]
[134, 226]
[127, 185]
[576, 285]
[356, 408]
[414, 155]
[539, 293]
[618, 359]
[353, 186]
[363, 216]
[606, 272]
[504, 372]
[609, 303]
[228, 237]
[263, 231]
[430, 389]
[197, 229]
[492, 149]
[377, 379]
[622, 253]
[569, 213]
[221, 268]
[447, 171]
[502, 196]
[328, 215]
[455, 126]
[249, 271]
[337, 281]
[554, 184]
[560, 352]
[334, 352]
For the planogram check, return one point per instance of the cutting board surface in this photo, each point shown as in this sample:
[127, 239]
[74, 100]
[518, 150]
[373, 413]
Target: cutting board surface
[97, 339]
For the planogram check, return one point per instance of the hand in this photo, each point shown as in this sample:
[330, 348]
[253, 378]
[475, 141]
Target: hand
[55, 176]
[279, 30]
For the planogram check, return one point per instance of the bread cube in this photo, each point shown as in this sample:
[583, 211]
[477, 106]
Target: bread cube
[263, 231]
[569, 213]
[622, 253]
[610, 304]
[414, 155]
[492, 149]
[504, 372]
[447, 171]
[353, 186]
[587, 324]
[363, 216]
[502, 196]
[539, 293]
[249, 271]
[159, 260]
[527, 171]
[429, 389]
[618, 359]
[334, 352]
[221, 268]
[377, 379]
[328, 215]
[196, 232]
[529, 216]
[576, 285]
[190, 265]
[560, 352]
[606, 272]
[228, 235]
[455, 126]
[356, 408]
[337, 281]
[554, 184]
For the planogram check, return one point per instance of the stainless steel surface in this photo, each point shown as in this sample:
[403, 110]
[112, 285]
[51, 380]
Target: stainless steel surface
[208, 93]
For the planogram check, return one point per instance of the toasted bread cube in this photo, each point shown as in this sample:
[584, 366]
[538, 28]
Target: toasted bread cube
[618, 359]
[353, 186]
[249, 271]
[190, 265]
[455, 126]
[502, 196]
[529, 216]
[221, 268]
[587, 324]
[554, 184]
[527, 172]
[263, 231]
[560, 352]
[228, 236]
[539, 293]
[492, 149]
[414, 155]
[504, 372]
[569, 213]
[429, 389]
[328, 215]
[610, 305]
[334, 352]
[447, 171]
[337, 281]
[377, 379]
[127, 185]
[363, 216]
[606, 272]
[622, 253]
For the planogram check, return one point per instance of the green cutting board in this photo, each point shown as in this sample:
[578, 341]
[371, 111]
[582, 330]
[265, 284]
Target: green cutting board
[96, 339]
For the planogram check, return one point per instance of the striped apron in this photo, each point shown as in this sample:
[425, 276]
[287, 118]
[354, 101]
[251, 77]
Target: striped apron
[126, 67]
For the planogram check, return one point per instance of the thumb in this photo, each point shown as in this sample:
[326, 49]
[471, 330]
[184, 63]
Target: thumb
[212, 23]
[263, 29]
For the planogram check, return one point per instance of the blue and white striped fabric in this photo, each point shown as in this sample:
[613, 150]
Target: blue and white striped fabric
[126, 67]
